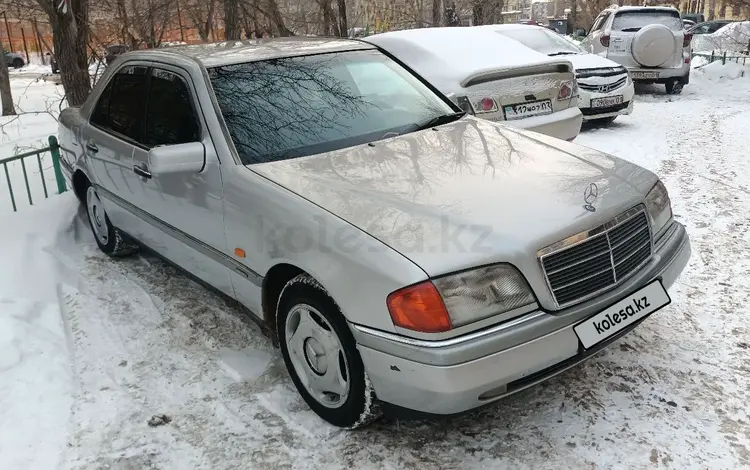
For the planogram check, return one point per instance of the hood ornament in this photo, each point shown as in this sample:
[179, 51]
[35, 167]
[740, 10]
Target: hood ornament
[590, 195]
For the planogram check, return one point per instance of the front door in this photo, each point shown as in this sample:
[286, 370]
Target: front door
[184, 208]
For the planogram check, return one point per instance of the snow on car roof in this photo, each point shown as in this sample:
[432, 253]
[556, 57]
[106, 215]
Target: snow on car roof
[447, 56]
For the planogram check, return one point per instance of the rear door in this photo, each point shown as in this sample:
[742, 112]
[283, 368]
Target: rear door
[592, 42]
[110, 137]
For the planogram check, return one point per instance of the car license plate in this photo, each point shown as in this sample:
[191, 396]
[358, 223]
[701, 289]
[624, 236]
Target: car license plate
[625, 312]
[524, 110]
[606, 101]
[644, 75]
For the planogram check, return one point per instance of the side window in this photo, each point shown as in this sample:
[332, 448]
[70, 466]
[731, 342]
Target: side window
[599, 22]
[119, 108]
[170, 118]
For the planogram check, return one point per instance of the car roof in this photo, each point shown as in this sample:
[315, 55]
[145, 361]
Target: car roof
[511, 27]
[635, 8]
[249, 50]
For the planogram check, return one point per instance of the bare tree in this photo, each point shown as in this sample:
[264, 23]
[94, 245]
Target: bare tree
[5, 93]
[201, 15]
[343, 25]
[232, 29]
[69, 20]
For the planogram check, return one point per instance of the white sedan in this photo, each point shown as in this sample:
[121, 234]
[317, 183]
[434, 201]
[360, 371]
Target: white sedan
[605, 88]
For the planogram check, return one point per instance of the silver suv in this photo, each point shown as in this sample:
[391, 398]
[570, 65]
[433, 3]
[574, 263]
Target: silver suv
[650, 41]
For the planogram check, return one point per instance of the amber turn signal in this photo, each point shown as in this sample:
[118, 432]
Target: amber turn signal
[419, 308]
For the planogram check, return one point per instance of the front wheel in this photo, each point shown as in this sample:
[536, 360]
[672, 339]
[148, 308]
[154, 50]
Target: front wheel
[110, 240]
[17, 63]
[321, 355]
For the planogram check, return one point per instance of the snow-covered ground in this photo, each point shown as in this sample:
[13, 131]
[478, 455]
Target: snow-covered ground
[92, 348]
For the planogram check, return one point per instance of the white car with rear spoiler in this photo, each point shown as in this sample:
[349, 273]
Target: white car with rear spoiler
[491, 76]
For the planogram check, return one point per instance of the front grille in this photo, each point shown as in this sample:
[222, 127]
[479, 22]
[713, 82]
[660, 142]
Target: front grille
[610, 254]
[609, 86]
[608, 109]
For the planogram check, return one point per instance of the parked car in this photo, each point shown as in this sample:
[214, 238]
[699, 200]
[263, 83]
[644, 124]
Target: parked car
[113, 51]
[694, 17]
[733, 38]
[405, 254]
[604, 87]
[13, 59]
[708, 27]
[687, 24]
[650, 41]
[494, 77]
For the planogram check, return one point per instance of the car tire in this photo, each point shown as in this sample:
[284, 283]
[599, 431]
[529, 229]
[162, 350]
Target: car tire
[109, 238]
[17, 63]
[674, 87]
[321, 355]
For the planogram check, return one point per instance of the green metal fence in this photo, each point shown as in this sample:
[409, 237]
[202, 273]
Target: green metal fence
[739, 57]
[27, 162]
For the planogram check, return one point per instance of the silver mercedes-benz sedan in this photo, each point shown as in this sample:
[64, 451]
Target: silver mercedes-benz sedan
[404, 255]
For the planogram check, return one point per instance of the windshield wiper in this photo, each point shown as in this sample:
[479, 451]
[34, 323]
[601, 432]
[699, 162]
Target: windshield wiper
[440, 120]
[562, 53]
[630, 30]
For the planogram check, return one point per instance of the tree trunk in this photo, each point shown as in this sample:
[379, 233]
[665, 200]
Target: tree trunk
[711, 9]
[69, 41]
[436, 13]
[5, 94]
[232, 29]
[122, 13]
[343, 24]
[326, 17]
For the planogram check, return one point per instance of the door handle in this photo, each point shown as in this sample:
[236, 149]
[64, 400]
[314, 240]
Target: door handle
[141, 170]
[91, 146]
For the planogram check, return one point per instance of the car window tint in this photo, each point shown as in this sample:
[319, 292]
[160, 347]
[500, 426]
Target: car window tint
[124, 114]
[297, 106]
[170, 118]
[635, 20]
[599, 22]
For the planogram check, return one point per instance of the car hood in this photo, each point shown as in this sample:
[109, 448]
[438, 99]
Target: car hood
[590, 61]
[464, 194]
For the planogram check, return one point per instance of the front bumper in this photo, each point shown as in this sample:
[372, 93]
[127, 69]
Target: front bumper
[459, 374]
[565, 124]
[627, 92]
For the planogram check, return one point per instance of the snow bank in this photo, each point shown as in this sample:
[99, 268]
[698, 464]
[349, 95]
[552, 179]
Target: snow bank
[35, 367]
[716, 71]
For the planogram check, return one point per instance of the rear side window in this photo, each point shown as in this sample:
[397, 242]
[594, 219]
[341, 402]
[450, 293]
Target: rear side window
[120, 108]
[170, 118]
[635, 20]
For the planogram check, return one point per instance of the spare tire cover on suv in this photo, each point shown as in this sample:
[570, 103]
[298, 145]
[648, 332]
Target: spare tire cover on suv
[653, 45]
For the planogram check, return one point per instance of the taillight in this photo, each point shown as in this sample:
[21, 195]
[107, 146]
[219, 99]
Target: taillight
[686, 40]
[568, 90]
[604, 40]
[485, 105]
[419, 308]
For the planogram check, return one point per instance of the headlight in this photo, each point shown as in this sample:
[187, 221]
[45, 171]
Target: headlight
[659, 206]
[481, 293]
[459, 299]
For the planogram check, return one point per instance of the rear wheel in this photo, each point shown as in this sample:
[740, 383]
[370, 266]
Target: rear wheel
[17, 63]
[110, 240]
[674, 87]
[321, 355]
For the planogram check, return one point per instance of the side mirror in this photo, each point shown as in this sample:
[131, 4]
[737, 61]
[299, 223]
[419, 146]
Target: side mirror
[580, 32]
[180, 158]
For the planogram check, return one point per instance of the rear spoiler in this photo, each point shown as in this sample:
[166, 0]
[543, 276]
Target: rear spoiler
[491, 75]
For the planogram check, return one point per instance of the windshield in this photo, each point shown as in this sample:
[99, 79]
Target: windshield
[296, 106]
[542, 40]
[635, 20]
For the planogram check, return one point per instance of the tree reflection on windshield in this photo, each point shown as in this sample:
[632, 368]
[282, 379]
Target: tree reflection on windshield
[295, 106]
